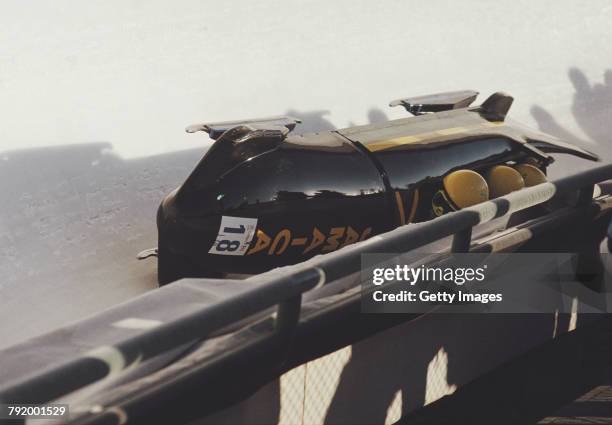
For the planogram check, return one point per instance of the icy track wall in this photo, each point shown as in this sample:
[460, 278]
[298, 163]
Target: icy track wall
[94, 98]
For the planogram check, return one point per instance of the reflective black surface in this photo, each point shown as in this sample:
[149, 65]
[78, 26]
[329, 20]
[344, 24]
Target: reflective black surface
[305, 195]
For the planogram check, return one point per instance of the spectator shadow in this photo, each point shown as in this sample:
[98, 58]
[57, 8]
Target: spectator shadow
[315, 121]
[312, 121]
[376, 115]
[592, 110]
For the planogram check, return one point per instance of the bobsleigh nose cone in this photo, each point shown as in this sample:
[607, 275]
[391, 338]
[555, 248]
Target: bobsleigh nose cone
[183, 234]
[170, 265]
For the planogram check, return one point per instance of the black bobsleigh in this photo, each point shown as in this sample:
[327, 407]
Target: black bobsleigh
[263, 197]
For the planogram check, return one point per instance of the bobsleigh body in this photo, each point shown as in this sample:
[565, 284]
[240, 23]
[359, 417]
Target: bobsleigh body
[263, 197]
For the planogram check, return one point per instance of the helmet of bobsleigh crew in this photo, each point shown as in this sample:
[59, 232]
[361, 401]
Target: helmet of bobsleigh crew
[502, 180]
[531, 174]
[460, 189]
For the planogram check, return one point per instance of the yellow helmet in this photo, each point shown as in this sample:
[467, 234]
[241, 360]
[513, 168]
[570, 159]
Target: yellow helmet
[532, 175]
[503, 180]
[462, 188]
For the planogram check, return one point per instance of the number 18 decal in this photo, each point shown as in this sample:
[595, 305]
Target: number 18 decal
[235, 235]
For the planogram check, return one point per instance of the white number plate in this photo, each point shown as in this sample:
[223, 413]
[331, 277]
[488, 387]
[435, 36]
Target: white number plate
[235, 235]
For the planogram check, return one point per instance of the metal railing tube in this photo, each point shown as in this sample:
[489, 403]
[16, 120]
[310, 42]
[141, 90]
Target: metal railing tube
[105, 361]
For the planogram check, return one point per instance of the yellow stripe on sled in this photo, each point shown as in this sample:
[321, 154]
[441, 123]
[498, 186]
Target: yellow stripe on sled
[405, 140]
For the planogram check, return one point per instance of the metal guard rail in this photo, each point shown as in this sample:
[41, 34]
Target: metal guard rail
[284, 288]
